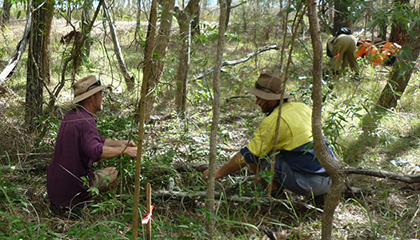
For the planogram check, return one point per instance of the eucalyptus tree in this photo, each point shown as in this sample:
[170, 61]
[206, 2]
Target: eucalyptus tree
[333, 168]
[402, 71]
[184, 17]
[341, 14]
[86, 19]
[216, 116]
[38, 63]
[398, 26]
[405, 21]
[160, 48]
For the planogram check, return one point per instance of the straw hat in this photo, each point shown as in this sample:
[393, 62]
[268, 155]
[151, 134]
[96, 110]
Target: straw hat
[268, 87]
[86, 87]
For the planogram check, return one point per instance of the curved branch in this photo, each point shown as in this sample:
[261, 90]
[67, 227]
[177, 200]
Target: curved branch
[237, 61]
[9, 70]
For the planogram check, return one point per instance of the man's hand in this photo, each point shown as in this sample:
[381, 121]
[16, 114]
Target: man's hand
[131, 143]
[233, 165]
[131, 151]
[217, 175]
[205, 175]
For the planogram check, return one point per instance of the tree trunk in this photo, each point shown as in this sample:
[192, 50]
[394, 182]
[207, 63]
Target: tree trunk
[228, 9]
[216, 115]
[49, 10]
[341, 15]
[195, 23]
[86, 19]
[138, 21]
[38, 60]
[160, 49]
[129, 80]
[398, 31]
[325, 158]
[5, 14]
[183, 67]
[401, 71]
[184, 20]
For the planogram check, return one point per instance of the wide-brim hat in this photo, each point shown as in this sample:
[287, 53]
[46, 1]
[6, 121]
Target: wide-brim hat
[268, 87]
[87, 87]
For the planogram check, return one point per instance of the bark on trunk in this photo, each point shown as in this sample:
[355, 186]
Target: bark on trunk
[184, 20]
[162, 41]
[216, 115]
[49, 10]
[325, 158]
[401, 71]
[86, 19]
[195, 24]
[398, 31]
[341, 15]
[38, 61]
[129, 80]
[182, 70]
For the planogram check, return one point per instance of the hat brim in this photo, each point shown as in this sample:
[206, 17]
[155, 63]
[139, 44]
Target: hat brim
[90, 93]
[267, 95]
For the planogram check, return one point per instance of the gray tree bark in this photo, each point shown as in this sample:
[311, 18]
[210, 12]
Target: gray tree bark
[184, 20]
[216, 115]
[401, 71]
[129, 80]
[333, 168]
[86, 19]
[398, 31]
[160, 49]
[38, 63]
[341, 15]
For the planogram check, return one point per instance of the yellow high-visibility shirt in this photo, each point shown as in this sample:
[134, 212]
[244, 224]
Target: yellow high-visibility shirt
[295, 129]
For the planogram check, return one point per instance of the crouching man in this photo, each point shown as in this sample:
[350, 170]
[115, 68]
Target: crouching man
[79, 145]
[296, 167]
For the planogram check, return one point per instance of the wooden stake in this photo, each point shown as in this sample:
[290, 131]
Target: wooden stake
[149, 210]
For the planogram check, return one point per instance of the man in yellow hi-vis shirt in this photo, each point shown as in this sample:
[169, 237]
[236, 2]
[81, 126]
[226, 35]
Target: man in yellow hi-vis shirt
[296, 167]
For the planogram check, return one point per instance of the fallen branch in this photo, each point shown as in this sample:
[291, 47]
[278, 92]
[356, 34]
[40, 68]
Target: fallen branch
[235, 62]
[234, 198]
[183, 166]
[383, 174]
[200, 167]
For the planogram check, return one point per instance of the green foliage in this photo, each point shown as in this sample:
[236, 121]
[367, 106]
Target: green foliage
[3, 52]
[186, 228]
[211, 33]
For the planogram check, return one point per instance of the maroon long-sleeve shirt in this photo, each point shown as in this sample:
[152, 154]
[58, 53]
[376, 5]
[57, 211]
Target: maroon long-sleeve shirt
[78, 145]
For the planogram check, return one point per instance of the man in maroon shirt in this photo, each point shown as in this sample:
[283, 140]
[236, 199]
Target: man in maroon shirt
[79, 145]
